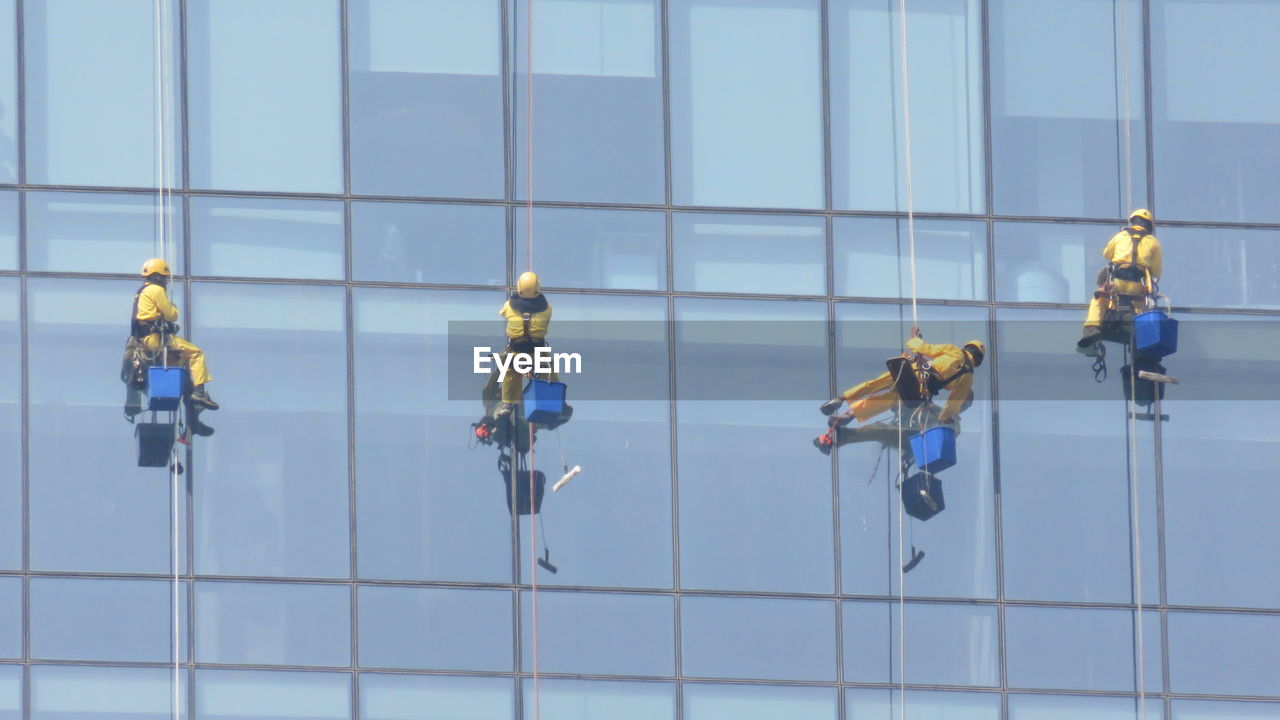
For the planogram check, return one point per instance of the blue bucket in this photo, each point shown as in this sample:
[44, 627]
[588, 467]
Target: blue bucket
[1155, 333]
[934, 449]
[543, 400]
[164, 387]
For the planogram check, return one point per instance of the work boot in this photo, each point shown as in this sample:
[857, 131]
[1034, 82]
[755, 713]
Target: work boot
[831, 405]
[200, 396]
[199, 428]
[504, 411]
[824, 443]
[1092, 335]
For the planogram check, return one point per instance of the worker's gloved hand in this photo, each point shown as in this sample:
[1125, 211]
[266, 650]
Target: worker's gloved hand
[831, 405]
[915, 332]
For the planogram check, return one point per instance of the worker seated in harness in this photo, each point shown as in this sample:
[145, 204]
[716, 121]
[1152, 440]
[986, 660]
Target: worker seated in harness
[155, 316]
[914, 379]
[1134, 264]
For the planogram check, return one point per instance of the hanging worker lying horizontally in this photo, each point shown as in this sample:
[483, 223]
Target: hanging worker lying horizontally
[154, 315]
[914, 378]
[1134, 264]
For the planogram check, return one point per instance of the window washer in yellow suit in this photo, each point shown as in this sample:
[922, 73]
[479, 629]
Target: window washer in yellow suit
[153, 313]
[1134, 264]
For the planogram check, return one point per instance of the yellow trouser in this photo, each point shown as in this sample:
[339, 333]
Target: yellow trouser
[872, 397]
[1097, 307]
[187, 353]
[513, 385]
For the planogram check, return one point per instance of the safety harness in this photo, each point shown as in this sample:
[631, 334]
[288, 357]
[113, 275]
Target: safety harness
[527, 307]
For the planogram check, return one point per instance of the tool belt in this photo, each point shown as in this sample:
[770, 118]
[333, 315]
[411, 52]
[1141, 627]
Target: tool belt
[1128, 272]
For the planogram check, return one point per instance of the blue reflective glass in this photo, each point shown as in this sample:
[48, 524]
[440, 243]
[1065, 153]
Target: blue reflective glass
[869, 704]
[258, 237]
[1218, 710]
[10, 428]
[1057, 107]
[591, 699]
[99, 619]
[10, 618]
[268, 694]
[1224, 654]
[600, 634]
[750, 253]
[101, 693]
[946, 644]
[265, 95]
[8, 227]
[91, 507]
[415, 514]
[611, 249]
[11, 692]
[759, 702]
[101, 233]
[758, 638]
[90, 91]
[274, 494]
[8, 94]
[745, 523]
[597, 101]
[1221, 267]
[1092, 649]
[273, 624]
[1059, 707]
[872, 258]
[867, 128]
[426, 98]
[435, 628]
[1214, 107]
[730, 143]
[428, 697]
[420, 243]
[1049, 262]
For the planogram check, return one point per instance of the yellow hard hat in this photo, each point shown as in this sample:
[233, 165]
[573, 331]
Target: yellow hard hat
[1143, 213]
[156, 266]
[528, 285]
[977, 350]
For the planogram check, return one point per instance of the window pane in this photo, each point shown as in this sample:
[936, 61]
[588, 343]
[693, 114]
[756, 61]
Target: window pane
[103, 233]
[1079, 649]
[592, 699]
[873, 258]
[750, 253]
[867, 704]
[91, 92]
[946, 644]
[77, 619]
[1211, 710]
[274, 494]
[11, 692]
[425, 697]
[435, 628]
[759, 638]
[100, 693]
[1215, 106]
[1221, 267]
[744, 523]
[419, 243]
[1057, 108]
[265, 694]
[601, 634]
[946, 102]
[9, 220]
[1224, 654]
[612, 249]
[91, 507]
[597, 107]
[10, 622]
[1049, 262]
[730, 145]
[8, 98]
[1065, 707]
[267, 238]
[273, 623]
[10, 428]
[426, 98]
[759, 702]
[266, 95]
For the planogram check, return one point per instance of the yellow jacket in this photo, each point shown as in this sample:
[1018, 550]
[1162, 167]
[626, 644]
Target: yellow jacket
[947, 361]
[536, 310]
[153, 304]
[1120, 252]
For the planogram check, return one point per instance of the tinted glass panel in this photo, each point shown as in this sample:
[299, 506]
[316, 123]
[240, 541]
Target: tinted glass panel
[418, 243]
[867, 130]
[11, 692]
[1049, 262]
[1221, 267]
[266, 95]
[1224, 654]
[759, 702]
[612, 249]
[1058, 111]
[99, 693]
[259, 695]
[10, 620]
[433, 628]
[1209, 710]
[8, 95]
[9, 227]
[762, 638]
[76, 619]
[750, 253]
[1092, 649]
[267, 238]
[868, 704]
[599, 634]
[946, 644]
[10, 428]
[103, 233]
[873, 258]
[426, 98]
[419, 697]
[273, 624]
[590, 699]
[1060, 707]
[729, 144]
[274, 495]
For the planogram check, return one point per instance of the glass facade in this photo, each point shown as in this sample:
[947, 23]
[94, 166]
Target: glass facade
[349, 177]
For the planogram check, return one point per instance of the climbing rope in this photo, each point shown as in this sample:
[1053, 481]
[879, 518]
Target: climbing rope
[533, 526]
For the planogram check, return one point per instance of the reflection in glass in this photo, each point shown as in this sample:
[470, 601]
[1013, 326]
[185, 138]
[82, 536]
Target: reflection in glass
[420, 243]
[9, 230]
[1058, 707]
[10, 620]
[265, 95]
[266, 694]
[601, 634]
[257, 237]
[869, 704]
[730, 143]
[428, 697]
[273, 499]
[101, 693]
[426, 98]
[759, 702]
[435, 628]
[592, 699]
[10, 428]
[611, 249]
[1221, 267]
[98, 232]
[1049, 262]
[8, 98]
[1092, 649]
[750, 253]
[759, 638]
[1057, 108]
[101, 619]
[1224, 653]
[273, 624]
[946, 102]
[873, 258]
[597, 107]
[946, 644]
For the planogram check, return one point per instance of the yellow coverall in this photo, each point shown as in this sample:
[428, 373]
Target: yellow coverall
[521, 342]
[153, 304]
[1119, 251]
[877, 395]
